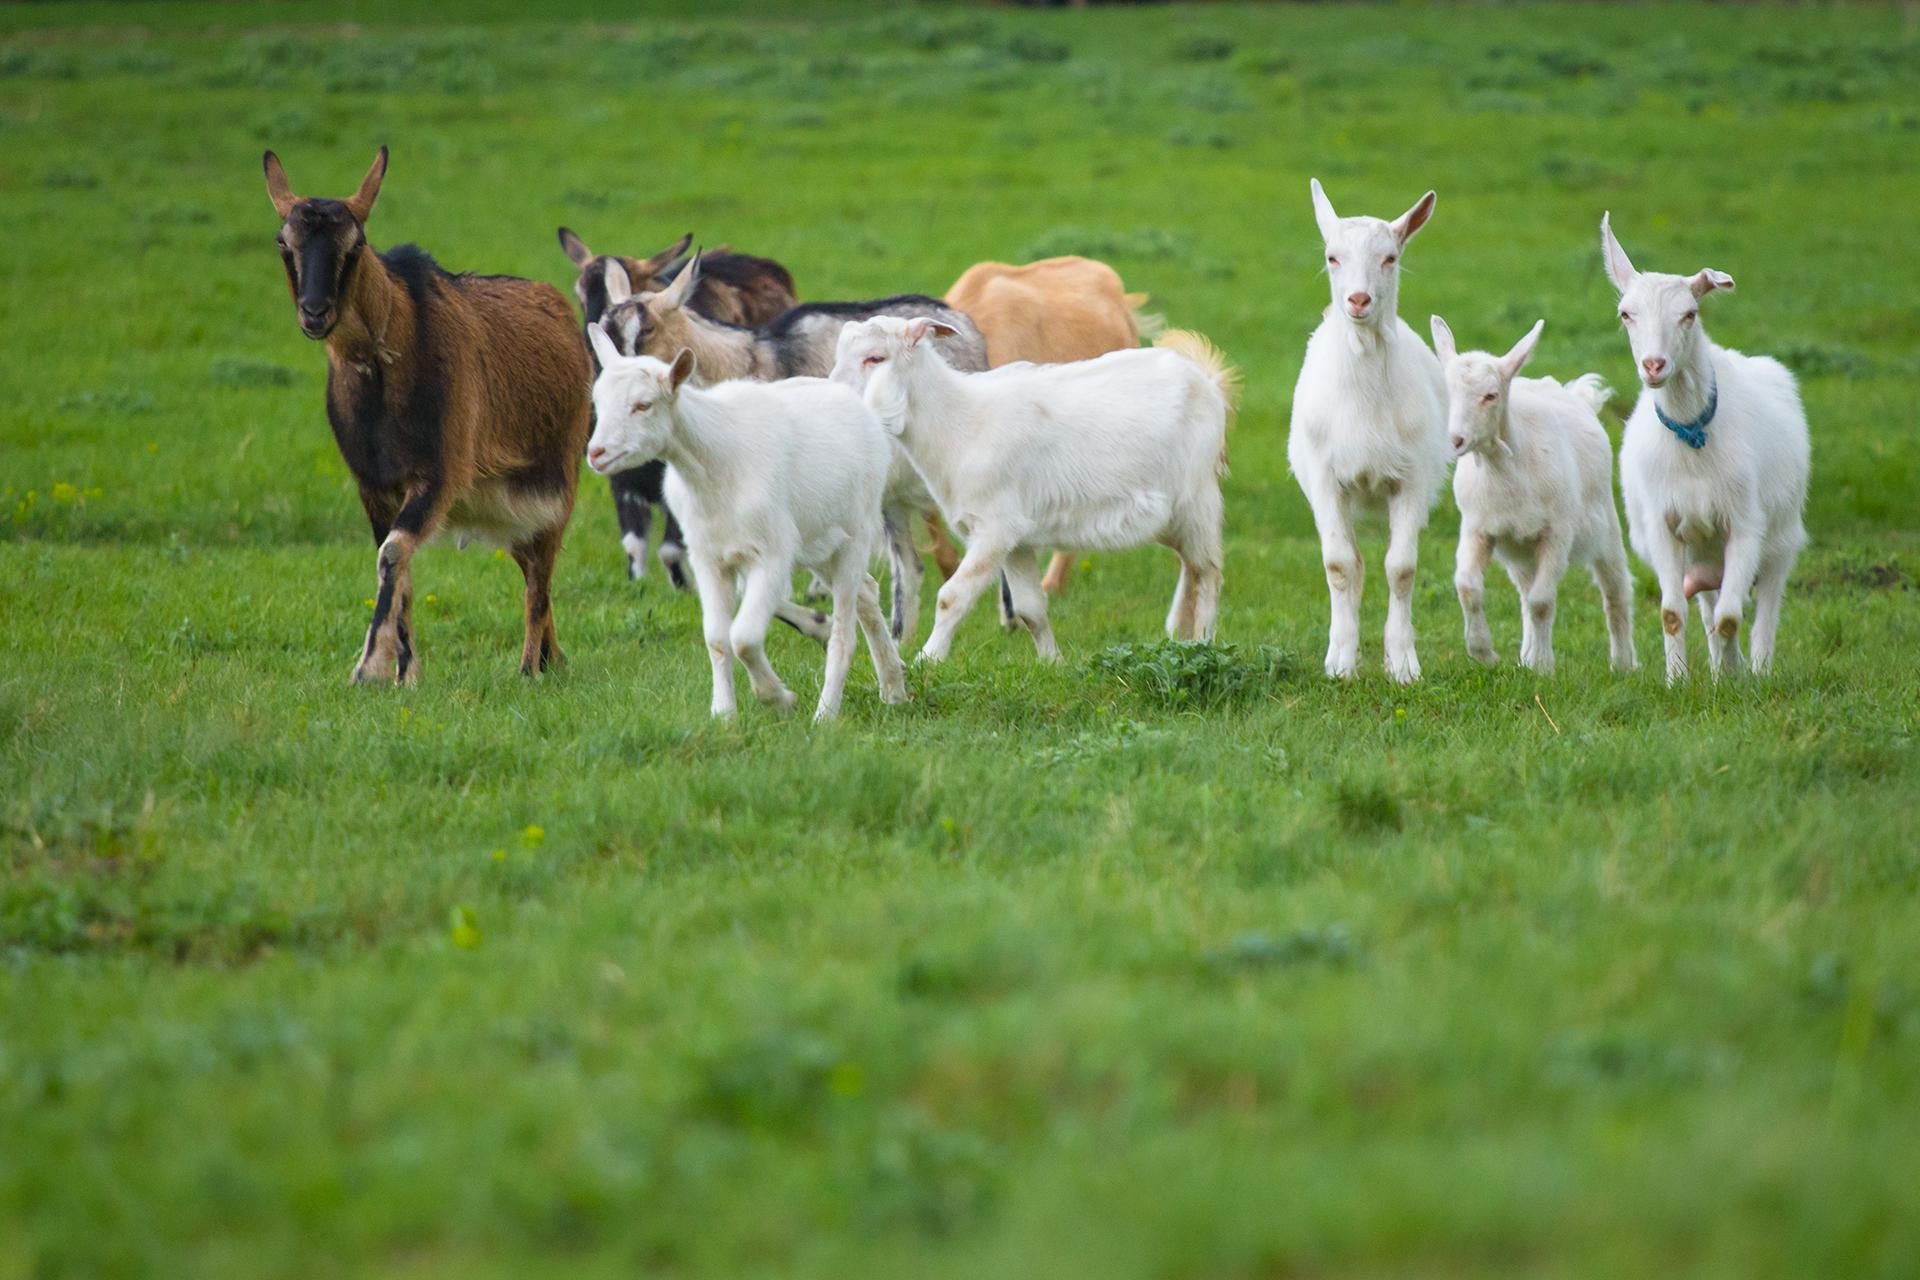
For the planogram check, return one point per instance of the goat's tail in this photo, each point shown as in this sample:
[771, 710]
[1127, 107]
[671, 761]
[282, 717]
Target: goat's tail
[1210, 360]
[1591, 390]
[1147, 325]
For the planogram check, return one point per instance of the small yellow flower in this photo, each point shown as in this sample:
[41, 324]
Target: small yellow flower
[431, 598]
[533, 835]
[499, 553]
[367, 603]
[153, 446]
[461, 929]
[93, 493]
[1399, 713]
[64, 492]
[498, 855]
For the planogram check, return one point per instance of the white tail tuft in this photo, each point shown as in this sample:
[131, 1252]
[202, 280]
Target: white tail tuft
[1591, 390]
[1212, 361]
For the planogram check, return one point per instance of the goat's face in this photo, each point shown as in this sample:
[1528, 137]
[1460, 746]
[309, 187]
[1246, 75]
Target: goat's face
[633, 331]
[1477, 386]
[320, 243]
[1660, 312]
[632, 405]
[1363, 257]
[606, 279]
[874, 357]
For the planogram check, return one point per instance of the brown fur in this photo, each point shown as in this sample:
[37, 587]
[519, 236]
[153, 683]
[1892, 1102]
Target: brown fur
[1049, 312]
[735, 288]
[459, 402]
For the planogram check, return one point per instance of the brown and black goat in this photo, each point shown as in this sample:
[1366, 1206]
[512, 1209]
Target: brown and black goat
[460, 404]
[735, 287]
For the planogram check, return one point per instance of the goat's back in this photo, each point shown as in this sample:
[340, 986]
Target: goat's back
[1047, 312]
[804, 339]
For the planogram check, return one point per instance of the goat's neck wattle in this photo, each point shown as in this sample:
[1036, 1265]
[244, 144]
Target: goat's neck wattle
[375, 324]
[1684, 397]
[698, 445]
[1363, 339]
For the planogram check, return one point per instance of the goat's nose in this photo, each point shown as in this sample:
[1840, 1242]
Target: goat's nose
[1654, 365]
[595, 453]
[1359, 301]
[1459, 443]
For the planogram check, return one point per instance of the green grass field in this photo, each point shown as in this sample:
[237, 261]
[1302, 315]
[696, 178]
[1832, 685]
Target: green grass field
[1149, 965]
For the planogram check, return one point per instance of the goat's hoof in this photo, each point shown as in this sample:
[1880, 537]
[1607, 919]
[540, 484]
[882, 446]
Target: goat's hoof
[1404, 670]
[371, 673]
[1485, 657]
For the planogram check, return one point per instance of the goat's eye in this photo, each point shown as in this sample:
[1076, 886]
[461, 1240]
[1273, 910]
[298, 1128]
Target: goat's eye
[1626, 317]
[641, 406]
[1390, 259]
[1690, 317]
[1489, 398]
[876, 360]
[1332, 261]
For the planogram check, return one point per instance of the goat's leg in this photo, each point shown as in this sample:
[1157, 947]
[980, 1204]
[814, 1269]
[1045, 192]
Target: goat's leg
[673, 551]
[1741, 566]
[906, 572]
[715, 588]
[767, 583]
[1058, 570]
[1616, 597]
[381, 658]
[1345, 577]
[541, 649]
[846, 576]
[1669, 557]
[1022, 576]
[811, 623]
[946, 557]
[1406, 517]
[635, 514]
[1470, 584]
[887, 668]
[1541, 599]
[1723, 651]
[1769, 589]
[976, 572]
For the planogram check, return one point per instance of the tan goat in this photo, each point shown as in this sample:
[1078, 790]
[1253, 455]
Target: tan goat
[1049, 312]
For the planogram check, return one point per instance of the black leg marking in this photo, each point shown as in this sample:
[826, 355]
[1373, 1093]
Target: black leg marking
[1006, 599]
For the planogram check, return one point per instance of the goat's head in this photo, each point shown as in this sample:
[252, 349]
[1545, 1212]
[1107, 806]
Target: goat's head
[648, 323]
[874, 356]
[594, 284]
[1363, 257]
[1477, 386]
[321, 242]
[632, 404]
[1661, 313]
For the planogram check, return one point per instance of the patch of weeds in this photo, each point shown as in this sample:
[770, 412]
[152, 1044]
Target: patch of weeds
[73, 179]
[1575, 173]
[119, 402]
[1188, 136]
[1853, 570]
[1192, 674]
[1124, 736]
[1144, 244]
[1367, 806]
[777, 1079]
[934, 1179]
[1823, 360]
[1029, 46]
[249, 373]
[1216, 95]
[1616, 1056]
[978, 969]
[1571, 64]
[38, 64]
[915, 29]
[1257, 950]
[1203, 47]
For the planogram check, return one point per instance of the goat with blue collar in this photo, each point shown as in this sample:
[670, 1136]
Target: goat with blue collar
[1713, 466]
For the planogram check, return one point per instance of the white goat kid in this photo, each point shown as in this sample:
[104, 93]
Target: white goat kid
[1368, 427]
[762, 475]
[1535, 488]
[1096, 454]
[1713, 466]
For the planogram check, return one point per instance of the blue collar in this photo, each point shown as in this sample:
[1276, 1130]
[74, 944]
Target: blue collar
[1693, 434]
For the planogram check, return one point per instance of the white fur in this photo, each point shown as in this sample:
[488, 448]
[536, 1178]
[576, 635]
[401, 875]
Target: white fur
[763, 476]
[1535, 489]
[1721, 522]
[1096, 454]
[1368, 428]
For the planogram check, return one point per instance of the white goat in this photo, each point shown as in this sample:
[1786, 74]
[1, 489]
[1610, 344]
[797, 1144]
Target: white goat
[763, 475]
[1100, 454]
[1713, 466]
[1535, 488]
[1368, 429]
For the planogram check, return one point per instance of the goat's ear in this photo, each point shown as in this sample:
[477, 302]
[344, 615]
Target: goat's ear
[575, 248]
[619, 285]
[1442, 339]
[1323, 213]
[917, 332]
[1619, 269]
[277, 189]
[1707, 281]
[659, 263]
[603, 345]
[1522, 350]
[941, 329]
[360, 203]
[682, 368]
[1415, 218]
[681, 290]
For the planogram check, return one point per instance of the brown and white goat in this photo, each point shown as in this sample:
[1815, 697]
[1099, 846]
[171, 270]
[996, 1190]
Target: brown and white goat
[1052, 311]
[460, 404]
[735, 287]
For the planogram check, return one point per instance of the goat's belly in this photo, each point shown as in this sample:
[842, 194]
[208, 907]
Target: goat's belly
[499, 513]
[1105, 526]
